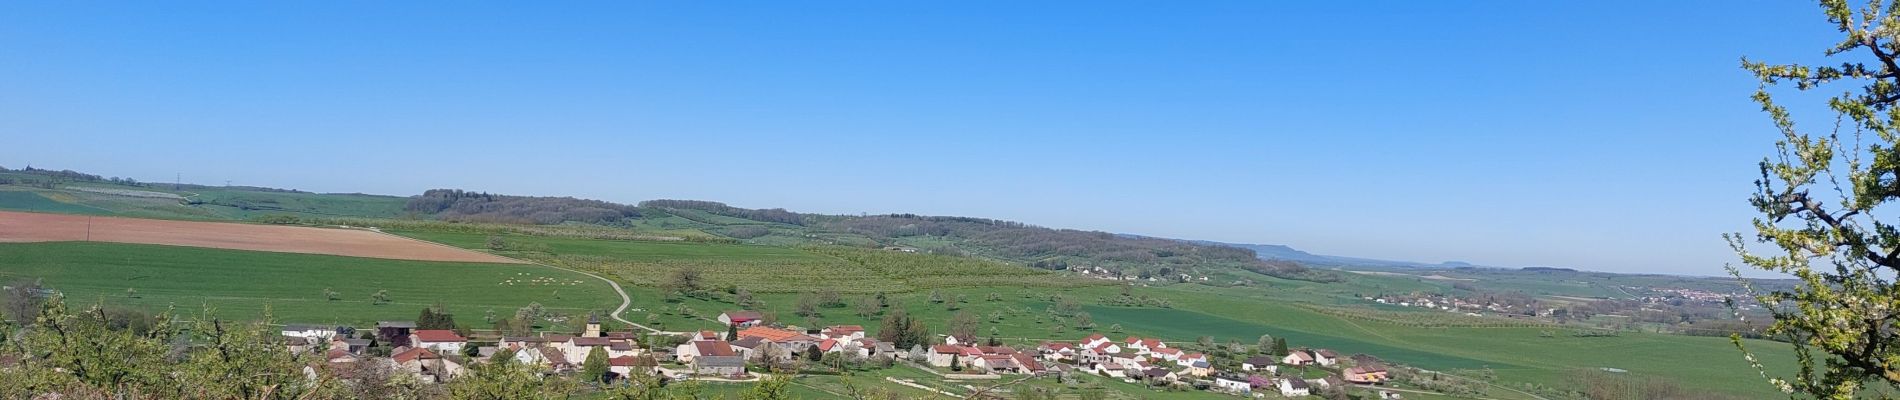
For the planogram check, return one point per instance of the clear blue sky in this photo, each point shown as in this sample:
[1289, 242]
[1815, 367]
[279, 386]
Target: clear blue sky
[1611, 136]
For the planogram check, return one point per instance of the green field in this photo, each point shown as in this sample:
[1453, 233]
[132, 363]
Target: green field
[1277, 307]
[241, 284]
[758, 268]
[22, 200]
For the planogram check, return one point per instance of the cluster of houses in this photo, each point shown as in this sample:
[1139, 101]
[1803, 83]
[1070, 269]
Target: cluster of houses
[432, 355]
[438, 355]
[1153, 360]
[963, 354]
[713, 353]
[1446, 303]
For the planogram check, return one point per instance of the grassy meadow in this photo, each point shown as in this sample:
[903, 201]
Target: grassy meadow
[241, 284]
[778, 276]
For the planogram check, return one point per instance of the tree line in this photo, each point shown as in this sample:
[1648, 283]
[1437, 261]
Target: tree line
[469, 206]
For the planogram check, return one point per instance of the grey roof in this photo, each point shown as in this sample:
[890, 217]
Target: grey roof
[750, 342]
[1296, 383]
[396, 324]
[356, 342]
[1156, 372]
[1200, 364]
[718, 361]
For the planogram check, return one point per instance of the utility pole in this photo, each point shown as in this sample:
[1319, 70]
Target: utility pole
[88, 228]
[177, 180]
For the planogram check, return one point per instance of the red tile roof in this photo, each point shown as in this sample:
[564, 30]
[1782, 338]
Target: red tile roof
[1027, 362]
[439, 336]
[415, 354]
[713, 348]
[775, 334]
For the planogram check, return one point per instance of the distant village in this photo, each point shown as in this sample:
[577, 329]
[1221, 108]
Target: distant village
[749, 348]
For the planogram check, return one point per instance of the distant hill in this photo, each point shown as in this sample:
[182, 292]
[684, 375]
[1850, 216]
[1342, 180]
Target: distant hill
[998, 240]
[1283, 252]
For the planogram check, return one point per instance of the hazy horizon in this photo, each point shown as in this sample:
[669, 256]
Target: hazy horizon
[1495, 134]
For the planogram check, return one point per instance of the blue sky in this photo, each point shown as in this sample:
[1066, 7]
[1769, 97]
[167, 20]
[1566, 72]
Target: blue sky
[1611, 136]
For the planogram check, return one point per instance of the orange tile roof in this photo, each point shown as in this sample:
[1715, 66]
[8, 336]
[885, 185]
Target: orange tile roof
[439, 335]
[415, 354]
[773, 334]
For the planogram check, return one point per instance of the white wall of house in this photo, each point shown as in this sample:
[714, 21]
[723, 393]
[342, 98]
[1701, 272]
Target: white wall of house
[443, 347]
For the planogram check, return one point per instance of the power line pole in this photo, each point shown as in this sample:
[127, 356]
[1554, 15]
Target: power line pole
[88, 228]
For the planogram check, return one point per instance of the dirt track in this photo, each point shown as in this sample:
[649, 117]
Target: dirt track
[36, 227]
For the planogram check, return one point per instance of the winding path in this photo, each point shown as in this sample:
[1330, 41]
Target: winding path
[625, 300]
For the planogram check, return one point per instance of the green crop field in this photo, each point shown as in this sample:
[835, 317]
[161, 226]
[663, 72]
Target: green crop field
[33, 201]
[240, 284]
[625, 250]
[779, 276]
[757, 268]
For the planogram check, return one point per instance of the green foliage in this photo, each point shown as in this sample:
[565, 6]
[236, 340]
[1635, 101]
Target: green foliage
[81, 355]
[504, 379]
[595, 369]
[902, 331]
[434, 317]
[1839, 318]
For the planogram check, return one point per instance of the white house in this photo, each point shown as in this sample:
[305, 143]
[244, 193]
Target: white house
[1234, 385]
[310, 331]
[1094, 340]
[1056, 351]
[958, 341]
[1297, 357]
[742, 318]
[1325, 357]
[941, 355]
[1170, 355]
[691, 350]
[1292, 387]
[439, 340]
[845, 333]
[1259, 363]
[1142, 346]
[1190, 359]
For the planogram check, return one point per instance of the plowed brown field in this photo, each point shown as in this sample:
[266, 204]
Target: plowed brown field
[37, 227]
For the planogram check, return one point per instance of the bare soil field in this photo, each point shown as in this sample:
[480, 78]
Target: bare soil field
[36, 227]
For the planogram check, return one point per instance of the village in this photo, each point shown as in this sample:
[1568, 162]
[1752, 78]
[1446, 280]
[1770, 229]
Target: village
[750, 349]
